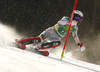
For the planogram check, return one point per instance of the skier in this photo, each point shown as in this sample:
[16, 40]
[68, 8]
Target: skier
[54, 34]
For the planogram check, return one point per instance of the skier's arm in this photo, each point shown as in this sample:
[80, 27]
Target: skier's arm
[64, 21]
[75, 36]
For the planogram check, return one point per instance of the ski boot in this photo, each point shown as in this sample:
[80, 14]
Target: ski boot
[20, 45]
[45, 53]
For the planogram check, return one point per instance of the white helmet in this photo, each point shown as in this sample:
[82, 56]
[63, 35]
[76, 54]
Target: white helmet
[78, 16]
[78, 13]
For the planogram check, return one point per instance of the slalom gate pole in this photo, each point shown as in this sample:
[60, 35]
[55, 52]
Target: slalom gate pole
[69, 28]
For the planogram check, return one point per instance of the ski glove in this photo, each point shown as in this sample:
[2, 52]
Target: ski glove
[82, 48]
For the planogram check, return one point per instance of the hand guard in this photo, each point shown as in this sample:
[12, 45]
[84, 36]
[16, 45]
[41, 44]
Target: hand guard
[82, 48]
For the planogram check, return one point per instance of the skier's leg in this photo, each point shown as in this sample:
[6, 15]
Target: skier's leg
[49, 45]
[21, 43]
[29, 40]
[43, 48]
[48, 35]
[44, 35]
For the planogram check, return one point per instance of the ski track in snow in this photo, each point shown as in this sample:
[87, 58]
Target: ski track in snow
[13, 59]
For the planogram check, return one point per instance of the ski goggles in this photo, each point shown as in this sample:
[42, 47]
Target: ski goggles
[79, 19]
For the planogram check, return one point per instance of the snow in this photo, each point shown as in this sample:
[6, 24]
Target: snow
[16, 60]
[13, 59]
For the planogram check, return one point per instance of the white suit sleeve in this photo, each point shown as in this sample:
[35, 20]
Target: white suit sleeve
[63, 21]
[75, 36]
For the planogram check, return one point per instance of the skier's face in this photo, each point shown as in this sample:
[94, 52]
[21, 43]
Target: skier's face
[79, 19]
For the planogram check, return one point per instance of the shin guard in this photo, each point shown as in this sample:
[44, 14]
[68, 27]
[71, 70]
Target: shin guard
[29, 40]
[49, 45]
[21, 43]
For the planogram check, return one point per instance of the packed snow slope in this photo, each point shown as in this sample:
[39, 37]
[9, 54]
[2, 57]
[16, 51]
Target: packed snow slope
[13, 59]
[16, 60]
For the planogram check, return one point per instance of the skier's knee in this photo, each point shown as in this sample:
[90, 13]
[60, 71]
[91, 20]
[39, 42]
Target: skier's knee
[42, 37]
[39, 40]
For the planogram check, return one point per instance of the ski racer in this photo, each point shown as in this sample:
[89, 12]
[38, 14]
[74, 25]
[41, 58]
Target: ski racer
[54, 34]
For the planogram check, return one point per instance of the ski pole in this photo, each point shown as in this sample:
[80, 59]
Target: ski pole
[69, 29]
